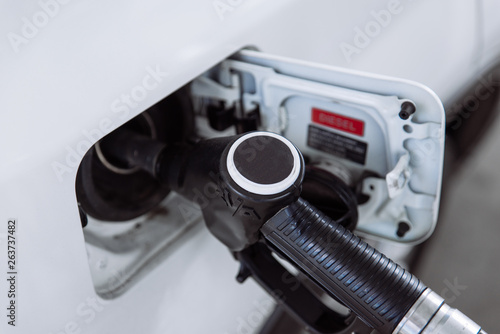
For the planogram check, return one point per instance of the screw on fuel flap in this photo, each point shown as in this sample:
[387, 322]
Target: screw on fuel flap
[407, 109]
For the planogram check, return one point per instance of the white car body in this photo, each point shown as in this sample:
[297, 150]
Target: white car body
[65, 66]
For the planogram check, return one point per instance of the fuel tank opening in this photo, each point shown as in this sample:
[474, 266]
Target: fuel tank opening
[110, 191]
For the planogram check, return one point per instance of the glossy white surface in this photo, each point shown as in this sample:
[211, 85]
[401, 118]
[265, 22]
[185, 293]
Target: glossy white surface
[490, 30]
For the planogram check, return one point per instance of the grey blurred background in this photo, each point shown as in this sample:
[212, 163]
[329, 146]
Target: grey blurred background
[462, 259]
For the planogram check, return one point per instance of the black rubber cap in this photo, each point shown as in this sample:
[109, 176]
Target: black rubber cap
[264, 160]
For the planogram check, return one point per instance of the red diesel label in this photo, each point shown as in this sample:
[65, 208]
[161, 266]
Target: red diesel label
[338, 122]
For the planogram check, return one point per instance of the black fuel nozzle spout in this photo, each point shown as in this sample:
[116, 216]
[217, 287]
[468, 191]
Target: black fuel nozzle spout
[239, 182]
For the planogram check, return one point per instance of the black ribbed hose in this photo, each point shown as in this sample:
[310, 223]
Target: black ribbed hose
[378, 290]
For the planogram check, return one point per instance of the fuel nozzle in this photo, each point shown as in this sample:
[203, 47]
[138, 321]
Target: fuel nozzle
[248, 188]
[238, 181]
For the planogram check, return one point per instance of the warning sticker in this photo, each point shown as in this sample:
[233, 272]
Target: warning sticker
[338, 122]
[338, 145]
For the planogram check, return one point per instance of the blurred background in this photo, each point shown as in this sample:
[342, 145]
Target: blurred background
[466, 244]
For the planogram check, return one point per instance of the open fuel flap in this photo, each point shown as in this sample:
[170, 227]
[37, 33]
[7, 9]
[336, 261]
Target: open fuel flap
[383, 137]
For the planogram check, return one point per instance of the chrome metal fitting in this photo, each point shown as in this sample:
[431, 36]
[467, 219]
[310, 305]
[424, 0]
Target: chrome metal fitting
[431, 315]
